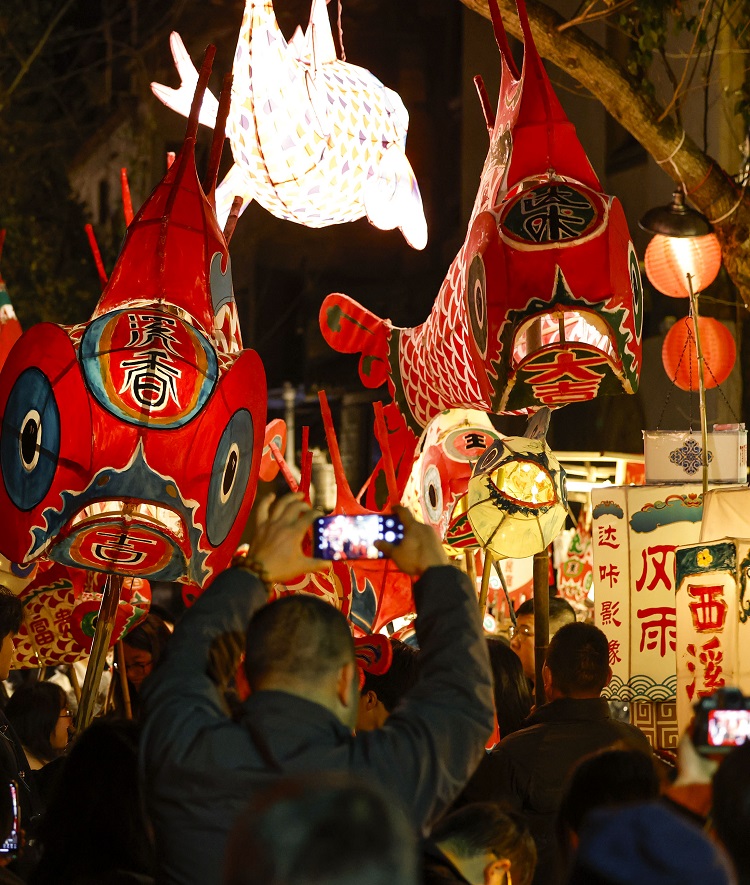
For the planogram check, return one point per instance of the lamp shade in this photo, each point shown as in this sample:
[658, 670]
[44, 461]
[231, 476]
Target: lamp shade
[517, 498]
[669, 260]
[680, 359]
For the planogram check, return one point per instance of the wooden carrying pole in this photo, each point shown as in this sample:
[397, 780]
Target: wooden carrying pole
[99, 647]
[541, 621]
[124, 687]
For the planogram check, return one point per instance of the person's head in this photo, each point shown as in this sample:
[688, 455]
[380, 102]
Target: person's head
[381, 693]
[561, 612]
[303, 646]
[731, 807]
[646, 843]
[577, 662]
[11, 616]
[329, 827]
[96, 805]
[486, 843]
[143, 646]
[38, 711]
[603, 779]
[512, 696]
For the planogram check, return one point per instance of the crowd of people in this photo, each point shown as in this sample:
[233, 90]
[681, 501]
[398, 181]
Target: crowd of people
[307, 770]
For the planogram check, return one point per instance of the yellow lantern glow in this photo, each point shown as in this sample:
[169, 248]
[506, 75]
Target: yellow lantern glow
[517, 501]
[669, 260]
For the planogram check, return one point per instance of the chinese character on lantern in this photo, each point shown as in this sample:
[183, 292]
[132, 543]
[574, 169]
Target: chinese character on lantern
[658, 628]
[614, 652]
[709, 610]
[609, 613]
[608, 536]
[655, 565]
[609, 573]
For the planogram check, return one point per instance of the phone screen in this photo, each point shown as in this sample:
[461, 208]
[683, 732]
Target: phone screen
[353, 537]
[9, 848]
[728, 728]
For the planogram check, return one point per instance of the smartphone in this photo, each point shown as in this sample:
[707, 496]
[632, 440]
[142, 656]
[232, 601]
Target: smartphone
[728, 728]
[722, 721]
[353, 537]
[9, 848]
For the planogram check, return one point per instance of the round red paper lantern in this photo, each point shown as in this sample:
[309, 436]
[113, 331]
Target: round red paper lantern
[678, 353]
[668, 261]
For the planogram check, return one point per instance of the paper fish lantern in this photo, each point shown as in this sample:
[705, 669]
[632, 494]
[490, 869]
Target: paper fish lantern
[130, 444]
[450, 446]
[60, 611]
[517, 502]
[543, 303]
[315, 140]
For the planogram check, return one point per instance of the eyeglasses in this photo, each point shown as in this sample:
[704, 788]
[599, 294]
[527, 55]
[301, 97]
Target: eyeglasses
[143, 667]
[523, 630]
[65, 714]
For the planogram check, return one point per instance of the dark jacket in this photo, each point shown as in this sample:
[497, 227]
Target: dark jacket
[437, 869]
[201, 769]
[528, 769]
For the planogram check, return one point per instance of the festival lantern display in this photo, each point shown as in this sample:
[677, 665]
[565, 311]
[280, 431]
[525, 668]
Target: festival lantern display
[713, 607]
[542, 304]
[516, 498]
[131, 444]
[680, 357]
[575, 572]
[315, 140]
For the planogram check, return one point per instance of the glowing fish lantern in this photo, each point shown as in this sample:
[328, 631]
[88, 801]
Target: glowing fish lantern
[450, 446]
[517, 502]
[543, 303]
[130, 444]
[315, 140]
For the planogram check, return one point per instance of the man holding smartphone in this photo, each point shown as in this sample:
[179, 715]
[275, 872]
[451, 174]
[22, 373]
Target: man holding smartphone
[201, 768]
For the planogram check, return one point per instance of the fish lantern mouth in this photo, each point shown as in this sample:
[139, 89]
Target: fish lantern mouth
[133, 539]
[562, 329]
[524, 484]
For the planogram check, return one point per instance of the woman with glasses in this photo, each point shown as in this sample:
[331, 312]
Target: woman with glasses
[142, 647]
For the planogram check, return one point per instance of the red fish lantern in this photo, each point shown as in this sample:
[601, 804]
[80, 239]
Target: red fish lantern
[543, 303]
[679, 354]
[131, 444]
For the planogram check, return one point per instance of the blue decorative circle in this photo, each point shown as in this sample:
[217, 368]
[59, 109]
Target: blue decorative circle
[30, 439]
[229, 476]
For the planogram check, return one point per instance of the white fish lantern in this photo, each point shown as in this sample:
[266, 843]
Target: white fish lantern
[517, 502]
[316, 140]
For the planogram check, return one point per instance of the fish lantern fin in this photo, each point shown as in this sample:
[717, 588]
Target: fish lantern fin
[180, 99]
[275, 433]
[350, 328]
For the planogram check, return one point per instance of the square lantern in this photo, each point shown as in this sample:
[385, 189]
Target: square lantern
[676, 456]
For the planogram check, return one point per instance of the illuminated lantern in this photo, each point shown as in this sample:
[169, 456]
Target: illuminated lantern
[543, 303]
[680, 358]
[131, 444]
[315, 140]
[668, 261]
[517, 502]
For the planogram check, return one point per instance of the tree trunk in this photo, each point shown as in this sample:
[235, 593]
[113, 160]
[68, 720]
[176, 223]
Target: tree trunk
[709, 187]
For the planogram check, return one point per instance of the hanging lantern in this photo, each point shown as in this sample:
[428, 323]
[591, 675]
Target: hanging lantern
[679, 356]
[669, 260]
[517, 498]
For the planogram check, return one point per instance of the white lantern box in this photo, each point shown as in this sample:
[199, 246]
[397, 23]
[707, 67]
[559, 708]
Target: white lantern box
[676, 455]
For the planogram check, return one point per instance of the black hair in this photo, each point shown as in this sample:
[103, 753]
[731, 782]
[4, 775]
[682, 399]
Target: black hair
[486, 827]
[578, 659]
[151, 635]
[11, 613]
[299, 636]
[96, 806]
[560, 611]
[33, 711]
[511, 687]
[398, 679]
[731, 808]
[329, 827]
[609, 777]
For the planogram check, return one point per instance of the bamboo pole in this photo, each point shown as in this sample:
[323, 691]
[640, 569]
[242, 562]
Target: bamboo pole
[124, 687]
[701, 384]
[75, 683]
[541, 621]
[486, 571]
[104, 625]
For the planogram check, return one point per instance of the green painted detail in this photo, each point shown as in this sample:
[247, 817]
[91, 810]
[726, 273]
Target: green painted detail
[701, 558]
[334, 316]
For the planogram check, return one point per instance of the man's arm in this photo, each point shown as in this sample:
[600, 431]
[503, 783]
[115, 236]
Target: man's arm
[434, 740]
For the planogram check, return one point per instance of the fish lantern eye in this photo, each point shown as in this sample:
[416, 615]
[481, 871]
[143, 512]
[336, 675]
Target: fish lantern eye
[30, 440]
[229, 476]
[432, 494]
[476, 294]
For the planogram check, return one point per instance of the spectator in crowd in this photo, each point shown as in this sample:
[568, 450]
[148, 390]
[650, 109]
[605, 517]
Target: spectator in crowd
[330, 828]
[142, 648]
[481, 844]
[381, 693]
[39, 714]
[200, 768]
[603, 779]
[511, 689]
[528, 768]
[94, 831]
[731, 808]
[646, 844]
[521, 634]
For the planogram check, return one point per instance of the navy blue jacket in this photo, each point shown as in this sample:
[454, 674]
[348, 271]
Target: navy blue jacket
[200, 768]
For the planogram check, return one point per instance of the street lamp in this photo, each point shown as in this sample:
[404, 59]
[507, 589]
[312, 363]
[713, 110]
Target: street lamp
[682, 259]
